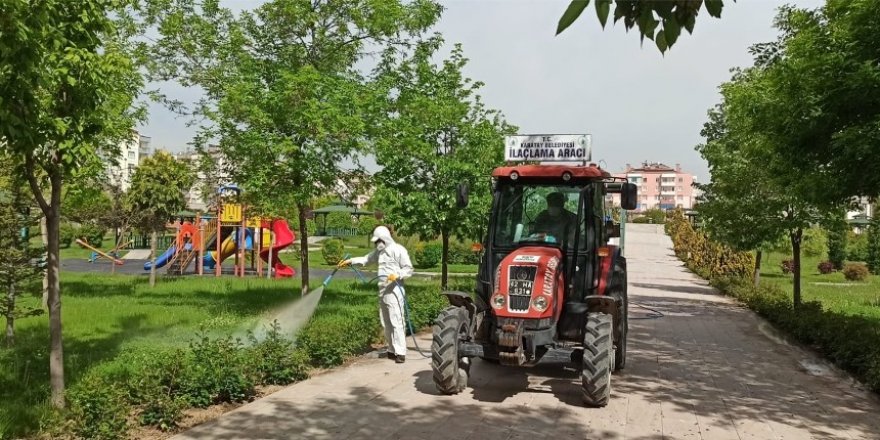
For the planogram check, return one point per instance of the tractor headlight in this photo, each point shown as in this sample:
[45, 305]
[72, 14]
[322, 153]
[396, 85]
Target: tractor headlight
[498, 301]
[540, 303]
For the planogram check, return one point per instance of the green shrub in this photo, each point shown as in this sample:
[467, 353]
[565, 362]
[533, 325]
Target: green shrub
[641, 220]
[427, 255]
[837, 246]
[655, 216]
[331, 339]
[67, 233]
[826, 267]
[274, 361]
[218, 372]
[855, 271]
[159, 388]
[99, 409]
[873, 246]
[92, 234]
[163, 410]
[367, 224]
[856, 246]
[815, 242]
[460, 252]
[333, 250]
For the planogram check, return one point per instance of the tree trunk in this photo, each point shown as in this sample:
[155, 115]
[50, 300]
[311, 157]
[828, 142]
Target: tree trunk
[757, 275]
[303, 248]
[796, 237]
[154, 237]
[44, 236]
[444, 267]
[56, 347]
[10, 317]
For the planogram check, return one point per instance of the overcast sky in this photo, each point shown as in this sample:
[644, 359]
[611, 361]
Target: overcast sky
[638, 105]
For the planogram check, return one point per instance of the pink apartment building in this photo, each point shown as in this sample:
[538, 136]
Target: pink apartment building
[660, 186]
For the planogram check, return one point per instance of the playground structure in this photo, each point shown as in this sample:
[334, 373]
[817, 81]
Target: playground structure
[209, 241]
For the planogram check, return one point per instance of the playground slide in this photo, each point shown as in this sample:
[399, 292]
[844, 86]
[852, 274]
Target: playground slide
[227, 249]
[283, 238]
[163, 259]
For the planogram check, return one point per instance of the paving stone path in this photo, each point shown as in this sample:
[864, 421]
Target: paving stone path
[708, 369]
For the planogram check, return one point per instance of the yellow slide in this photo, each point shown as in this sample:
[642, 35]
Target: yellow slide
[227, 249]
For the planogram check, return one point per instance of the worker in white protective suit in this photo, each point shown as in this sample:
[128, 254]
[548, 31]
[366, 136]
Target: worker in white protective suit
[394, 265]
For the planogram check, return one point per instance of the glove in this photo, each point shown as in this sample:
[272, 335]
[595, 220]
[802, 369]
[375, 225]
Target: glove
[344, 263]
[392, 277]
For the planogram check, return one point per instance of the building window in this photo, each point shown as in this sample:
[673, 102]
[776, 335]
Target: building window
[679, 189]
[681, 179]
[131, 155]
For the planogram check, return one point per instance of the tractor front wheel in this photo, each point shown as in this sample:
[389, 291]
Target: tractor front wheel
[450, 372]
[598, 360]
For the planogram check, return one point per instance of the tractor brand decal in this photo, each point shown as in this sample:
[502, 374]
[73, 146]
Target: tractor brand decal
[526, 258]
[548, 148]
[550, 275]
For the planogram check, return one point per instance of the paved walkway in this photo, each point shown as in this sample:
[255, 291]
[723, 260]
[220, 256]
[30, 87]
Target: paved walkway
[709, 369]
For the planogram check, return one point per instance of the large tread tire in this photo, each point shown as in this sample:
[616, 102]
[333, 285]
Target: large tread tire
[623, 323]
[450, 375]
[598, 360]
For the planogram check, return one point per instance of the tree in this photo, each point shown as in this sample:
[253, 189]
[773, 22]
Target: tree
[734, 204]
[837, 236]
[67, 90]
[646, 16]
[818, 97]
[158, 192]
[436, 117]
[19, 273]
[284, 96]
[744, 206]
[874, 246]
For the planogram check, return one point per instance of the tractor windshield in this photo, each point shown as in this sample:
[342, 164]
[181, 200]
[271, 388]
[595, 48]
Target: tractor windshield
[536, 213]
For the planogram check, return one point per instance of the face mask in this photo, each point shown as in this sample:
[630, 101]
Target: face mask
[554, 210]
[380, 246]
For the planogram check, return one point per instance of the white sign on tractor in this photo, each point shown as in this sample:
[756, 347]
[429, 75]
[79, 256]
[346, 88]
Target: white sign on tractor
[548, 148]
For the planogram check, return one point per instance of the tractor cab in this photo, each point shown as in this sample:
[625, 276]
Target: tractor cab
[549, 277]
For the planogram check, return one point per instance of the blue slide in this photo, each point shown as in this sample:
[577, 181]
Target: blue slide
[163, 259]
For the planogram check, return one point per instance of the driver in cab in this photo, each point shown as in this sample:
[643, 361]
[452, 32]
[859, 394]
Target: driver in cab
[556, 221]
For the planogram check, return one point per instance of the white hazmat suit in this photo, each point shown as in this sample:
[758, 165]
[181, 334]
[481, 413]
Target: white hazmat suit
[393, 261]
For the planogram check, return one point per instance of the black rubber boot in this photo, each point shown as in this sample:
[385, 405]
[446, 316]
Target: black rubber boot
[391, 355]
[400, 359]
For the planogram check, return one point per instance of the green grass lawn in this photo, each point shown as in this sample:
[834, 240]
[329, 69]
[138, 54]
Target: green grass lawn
[113, 319]
[832, 290]
[105, 316]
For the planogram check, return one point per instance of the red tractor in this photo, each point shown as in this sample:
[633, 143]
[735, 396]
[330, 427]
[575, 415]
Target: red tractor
[548, 279]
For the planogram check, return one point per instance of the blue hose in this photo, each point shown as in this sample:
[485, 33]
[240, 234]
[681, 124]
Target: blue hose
[406, 317]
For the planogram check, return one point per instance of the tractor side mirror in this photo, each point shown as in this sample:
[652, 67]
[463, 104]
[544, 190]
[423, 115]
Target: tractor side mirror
[461, 198]
[629, 196]
[612, 229]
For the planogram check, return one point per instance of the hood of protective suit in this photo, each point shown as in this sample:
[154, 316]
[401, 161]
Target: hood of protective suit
[382, 233]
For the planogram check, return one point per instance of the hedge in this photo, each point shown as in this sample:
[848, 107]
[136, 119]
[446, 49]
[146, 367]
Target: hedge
[154, 389]
[703, 256]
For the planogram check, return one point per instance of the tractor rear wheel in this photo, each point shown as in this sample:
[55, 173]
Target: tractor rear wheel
[450, 374]
[598, 360]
